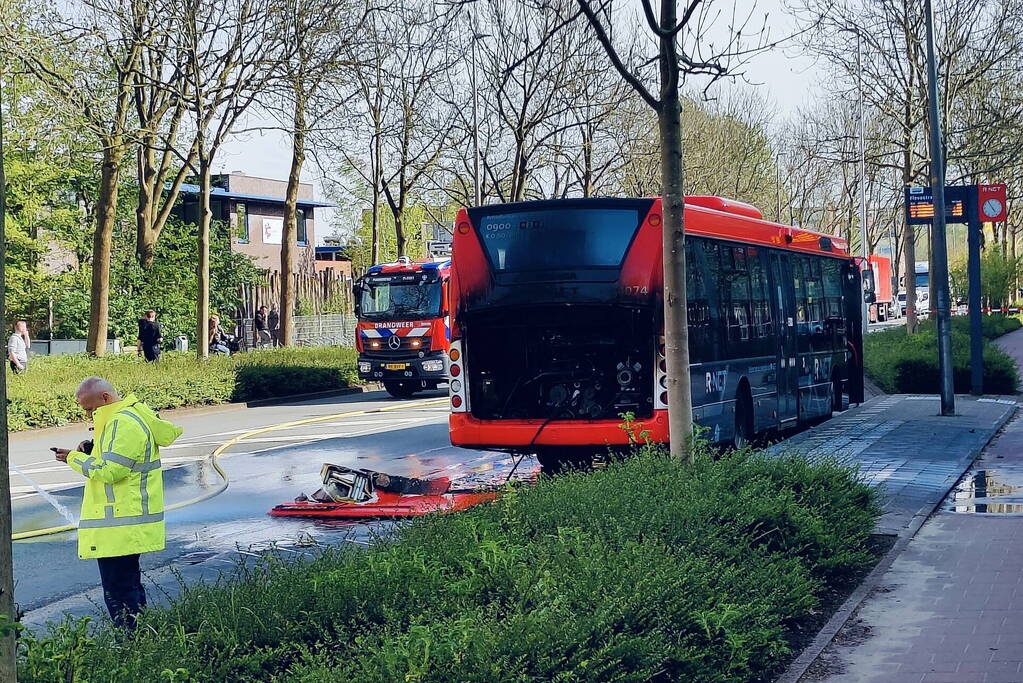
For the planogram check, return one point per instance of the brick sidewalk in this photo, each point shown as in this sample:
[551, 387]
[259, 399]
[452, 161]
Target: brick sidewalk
[901, 445]
[950, 608]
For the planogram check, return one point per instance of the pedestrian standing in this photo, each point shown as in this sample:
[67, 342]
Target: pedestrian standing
[263, 338]
[18, 346]
[150, 337]
[273, 320]
[122, 507]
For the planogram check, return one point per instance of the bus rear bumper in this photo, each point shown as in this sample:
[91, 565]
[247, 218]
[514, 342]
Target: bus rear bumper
[469, 432]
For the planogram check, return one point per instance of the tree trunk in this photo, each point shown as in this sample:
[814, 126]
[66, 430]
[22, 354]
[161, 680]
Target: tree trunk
[676, 331]
[8, 662]
[202, 268]
[288, 239]
[145, 233]
[106, 216]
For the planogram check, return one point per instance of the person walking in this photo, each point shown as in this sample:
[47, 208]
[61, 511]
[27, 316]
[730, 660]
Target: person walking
[263, 338]
[150, 337]
[18, 346]
[273, 320]
[122, 506]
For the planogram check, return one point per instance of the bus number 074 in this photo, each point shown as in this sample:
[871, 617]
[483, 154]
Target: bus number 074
[633, 291]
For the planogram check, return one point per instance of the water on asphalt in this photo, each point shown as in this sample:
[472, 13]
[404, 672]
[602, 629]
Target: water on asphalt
[988, 489]
[236, 522]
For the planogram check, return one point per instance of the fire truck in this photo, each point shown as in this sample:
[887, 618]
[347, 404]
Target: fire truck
[402, 335]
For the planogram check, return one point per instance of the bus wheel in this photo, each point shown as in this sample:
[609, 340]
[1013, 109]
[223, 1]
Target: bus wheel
[837, 399]
[743, 437]
[401, 389]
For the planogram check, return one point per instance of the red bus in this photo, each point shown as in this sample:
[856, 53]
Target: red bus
[557, 324]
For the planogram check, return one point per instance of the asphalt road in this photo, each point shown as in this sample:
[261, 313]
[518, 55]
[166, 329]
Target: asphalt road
[409, 438]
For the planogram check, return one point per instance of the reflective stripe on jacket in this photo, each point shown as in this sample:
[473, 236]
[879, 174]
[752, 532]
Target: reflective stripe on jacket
[122, 508]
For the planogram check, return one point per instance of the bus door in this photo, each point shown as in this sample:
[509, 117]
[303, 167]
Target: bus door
[785, 303]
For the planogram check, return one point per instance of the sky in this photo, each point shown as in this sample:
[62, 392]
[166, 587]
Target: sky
[786, 78]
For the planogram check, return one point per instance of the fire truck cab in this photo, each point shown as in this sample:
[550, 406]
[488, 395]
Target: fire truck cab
[402, 335]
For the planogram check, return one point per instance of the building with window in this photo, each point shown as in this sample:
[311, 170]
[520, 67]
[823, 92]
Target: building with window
[253, 209]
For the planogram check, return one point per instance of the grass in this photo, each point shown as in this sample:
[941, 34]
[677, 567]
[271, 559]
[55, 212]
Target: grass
[908, 364]
[649, 570]
[44, 396]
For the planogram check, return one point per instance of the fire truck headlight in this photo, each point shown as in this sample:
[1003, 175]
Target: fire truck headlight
[365, 367]
[433, 365]
[416, 343]
[374, 345]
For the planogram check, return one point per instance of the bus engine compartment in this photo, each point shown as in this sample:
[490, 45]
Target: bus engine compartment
[560, 362]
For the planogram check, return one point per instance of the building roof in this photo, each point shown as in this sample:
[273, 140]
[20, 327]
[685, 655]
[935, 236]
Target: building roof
[221, 193]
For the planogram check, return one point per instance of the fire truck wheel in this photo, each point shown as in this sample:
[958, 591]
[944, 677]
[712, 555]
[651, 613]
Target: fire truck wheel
[401, 389]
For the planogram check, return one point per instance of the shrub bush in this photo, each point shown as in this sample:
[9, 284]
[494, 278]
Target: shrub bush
[908, 364]
[45, 395]
[649, 570]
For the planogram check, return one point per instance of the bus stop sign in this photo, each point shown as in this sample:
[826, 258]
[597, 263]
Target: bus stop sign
[963, 204]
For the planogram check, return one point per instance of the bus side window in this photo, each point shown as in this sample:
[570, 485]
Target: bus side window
[833, 301]
[718, 297]
[760, 295]
[697, 303]
[739, 311]
[799, 267]
[815, 304]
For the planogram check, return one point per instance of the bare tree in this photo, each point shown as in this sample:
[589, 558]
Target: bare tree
[321, 34]
[229, 50]
[682, 48]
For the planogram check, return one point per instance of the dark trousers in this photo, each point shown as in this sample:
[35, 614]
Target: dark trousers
[151, 352]
[122, 588]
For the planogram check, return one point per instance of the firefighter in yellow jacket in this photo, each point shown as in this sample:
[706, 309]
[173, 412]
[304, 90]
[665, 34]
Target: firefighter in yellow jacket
[122, 509]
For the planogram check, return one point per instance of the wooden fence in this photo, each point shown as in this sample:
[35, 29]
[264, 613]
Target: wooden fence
[325, 292]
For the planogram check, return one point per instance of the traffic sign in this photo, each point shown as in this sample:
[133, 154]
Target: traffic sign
[991, 203]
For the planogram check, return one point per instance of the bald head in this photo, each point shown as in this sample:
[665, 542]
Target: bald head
[95, 392]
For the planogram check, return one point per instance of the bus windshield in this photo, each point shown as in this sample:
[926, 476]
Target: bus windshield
[921, 279]
[555, 239]
[383, 299]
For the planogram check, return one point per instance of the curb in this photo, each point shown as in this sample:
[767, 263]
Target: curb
[795, 672]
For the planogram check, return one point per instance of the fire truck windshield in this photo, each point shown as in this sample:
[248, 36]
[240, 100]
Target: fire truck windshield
[558, 238]
[383, 299]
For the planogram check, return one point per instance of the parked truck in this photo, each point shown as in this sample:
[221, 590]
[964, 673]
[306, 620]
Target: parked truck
[402, 334]
[884, 307]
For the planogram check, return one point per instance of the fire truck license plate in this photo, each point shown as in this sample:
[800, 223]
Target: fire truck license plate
[396, 366]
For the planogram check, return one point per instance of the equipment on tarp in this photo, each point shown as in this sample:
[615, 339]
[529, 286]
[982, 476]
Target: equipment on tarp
[364, 494]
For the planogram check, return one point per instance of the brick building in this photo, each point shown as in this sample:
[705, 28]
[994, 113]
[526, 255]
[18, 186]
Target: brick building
[253, 208]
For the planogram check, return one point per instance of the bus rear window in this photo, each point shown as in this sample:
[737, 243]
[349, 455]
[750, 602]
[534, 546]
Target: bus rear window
[558, 239]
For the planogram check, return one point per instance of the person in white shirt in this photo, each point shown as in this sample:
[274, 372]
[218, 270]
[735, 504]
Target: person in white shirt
[18, 346]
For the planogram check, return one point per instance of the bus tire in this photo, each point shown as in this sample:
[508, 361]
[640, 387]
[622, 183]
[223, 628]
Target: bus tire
[401, 389]
[743, 435]
[837, 400]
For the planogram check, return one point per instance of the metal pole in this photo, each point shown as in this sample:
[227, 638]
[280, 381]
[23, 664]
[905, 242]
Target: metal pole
[974, 226]
[8, 663]
[938, 246]
[777, 167]
[477, 194]
[864, 244]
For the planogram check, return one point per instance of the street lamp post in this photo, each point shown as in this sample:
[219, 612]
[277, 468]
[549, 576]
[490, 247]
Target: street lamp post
[939, 248]
[477, 189]
[864, 244]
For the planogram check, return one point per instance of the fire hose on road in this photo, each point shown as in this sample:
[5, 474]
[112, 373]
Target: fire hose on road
[220, 450]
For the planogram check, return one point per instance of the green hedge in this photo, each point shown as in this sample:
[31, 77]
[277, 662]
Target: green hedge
[901, 363]
[45, 395]
[649, 570]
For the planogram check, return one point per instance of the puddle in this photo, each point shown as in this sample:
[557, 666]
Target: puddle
[988, 491]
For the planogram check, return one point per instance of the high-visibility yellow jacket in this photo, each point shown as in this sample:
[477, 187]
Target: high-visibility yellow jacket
[122, 509]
